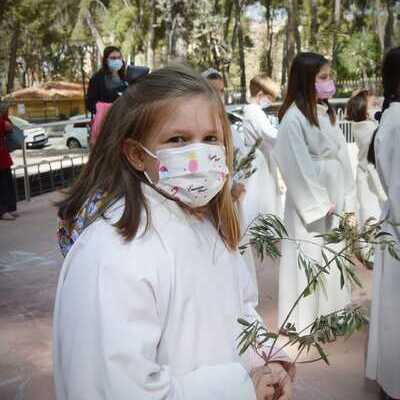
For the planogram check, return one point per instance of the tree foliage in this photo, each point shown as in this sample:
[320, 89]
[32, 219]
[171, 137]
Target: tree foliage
[44, 39]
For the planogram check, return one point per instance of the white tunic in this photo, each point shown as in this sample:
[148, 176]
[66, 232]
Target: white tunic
[315, 165]
[370, 194]
[154, 318]
[383, 361]
[263, 194]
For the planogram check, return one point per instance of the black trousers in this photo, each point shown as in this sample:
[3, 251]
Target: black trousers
[8, 199]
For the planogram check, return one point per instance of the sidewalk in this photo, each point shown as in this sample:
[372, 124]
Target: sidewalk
[29, 266]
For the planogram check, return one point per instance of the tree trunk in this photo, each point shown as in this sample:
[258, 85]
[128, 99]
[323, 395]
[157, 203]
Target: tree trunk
[389, 27]
[176, 31]
[314, 24]
[96, 35]
[292, 34]
[336, 22]
[228, 19]
[285, 58]
[12, 61]
[151, 35]
[268, 64]
[242, 61]
[379, 23]
[295, 24]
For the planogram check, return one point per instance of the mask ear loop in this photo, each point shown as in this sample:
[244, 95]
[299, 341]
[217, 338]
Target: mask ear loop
[152, 155]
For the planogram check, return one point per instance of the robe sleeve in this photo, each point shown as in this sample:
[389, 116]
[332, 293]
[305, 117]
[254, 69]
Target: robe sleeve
[298, 170]
[110, 352]
[389, 160]
[260, 127]
[394, 188]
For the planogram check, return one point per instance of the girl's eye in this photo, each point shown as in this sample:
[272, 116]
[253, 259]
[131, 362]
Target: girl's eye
[211, 138]
[176, 139]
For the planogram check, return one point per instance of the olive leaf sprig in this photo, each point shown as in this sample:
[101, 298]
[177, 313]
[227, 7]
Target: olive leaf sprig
[266, 236]
[243, 166]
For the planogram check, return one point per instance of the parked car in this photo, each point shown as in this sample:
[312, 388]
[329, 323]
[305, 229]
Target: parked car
[77, 133]
[35, 135]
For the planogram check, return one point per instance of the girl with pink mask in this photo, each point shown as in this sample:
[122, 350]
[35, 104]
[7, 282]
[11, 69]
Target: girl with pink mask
[312, 156]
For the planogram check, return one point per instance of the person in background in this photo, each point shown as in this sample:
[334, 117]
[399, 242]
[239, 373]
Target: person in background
[105, 87]
[216, 80]
[107, 84]
[370, 194]
[312, 156]
[149, 296]
[263, 186]
[8, 200]
[383, 359]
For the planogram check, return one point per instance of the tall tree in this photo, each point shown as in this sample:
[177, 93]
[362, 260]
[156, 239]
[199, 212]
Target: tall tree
[389, 27]
[239, 4]
[314, 23]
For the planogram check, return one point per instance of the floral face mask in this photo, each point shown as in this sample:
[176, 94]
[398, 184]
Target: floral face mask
[193, 174]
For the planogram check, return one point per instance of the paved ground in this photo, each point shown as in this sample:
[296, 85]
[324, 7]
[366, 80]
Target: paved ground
[29, 266]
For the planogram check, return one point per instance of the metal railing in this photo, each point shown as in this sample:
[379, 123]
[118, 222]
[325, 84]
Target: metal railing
[46, 176]
[347, 130]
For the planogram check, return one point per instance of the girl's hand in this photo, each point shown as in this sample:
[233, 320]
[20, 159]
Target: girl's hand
[332, 209]
[284, 386]
[264, 381]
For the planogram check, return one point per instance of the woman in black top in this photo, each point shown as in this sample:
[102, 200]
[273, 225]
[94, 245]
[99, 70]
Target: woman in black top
[109, 82]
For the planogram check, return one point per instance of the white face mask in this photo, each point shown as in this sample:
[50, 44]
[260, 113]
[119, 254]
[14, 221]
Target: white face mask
[265, 102]
[193, 174]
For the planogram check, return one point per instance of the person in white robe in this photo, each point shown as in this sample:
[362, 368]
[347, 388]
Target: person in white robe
[315, 166]
[370, 194]
[383, 358]
[155, 315]
[263, 192]
[155, 318]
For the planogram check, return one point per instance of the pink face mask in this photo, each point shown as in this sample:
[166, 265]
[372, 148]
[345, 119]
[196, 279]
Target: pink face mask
[325, 89]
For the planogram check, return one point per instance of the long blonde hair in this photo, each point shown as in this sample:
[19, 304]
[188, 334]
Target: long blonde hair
[137, 112]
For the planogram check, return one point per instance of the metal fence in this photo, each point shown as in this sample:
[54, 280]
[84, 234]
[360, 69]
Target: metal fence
[46, 176]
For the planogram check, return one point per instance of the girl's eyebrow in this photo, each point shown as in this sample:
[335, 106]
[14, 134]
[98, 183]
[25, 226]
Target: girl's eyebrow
[190, 132]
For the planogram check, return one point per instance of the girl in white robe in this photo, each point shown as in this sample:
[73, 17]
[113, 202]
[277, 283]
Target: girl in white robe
[263, 191]
[150, 292]
[370, 194]
[313, 159]
[383, 360]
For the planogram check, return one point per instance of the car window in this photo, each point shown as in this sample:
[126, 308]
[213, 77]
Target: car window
[19, 122]
[80, 125]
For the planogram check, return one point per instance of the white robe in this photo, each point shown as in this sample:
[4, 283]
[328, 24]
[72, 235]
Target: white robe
[383, 360]
[316, 168]
[370, 194]
[263, 193]
[153, 318]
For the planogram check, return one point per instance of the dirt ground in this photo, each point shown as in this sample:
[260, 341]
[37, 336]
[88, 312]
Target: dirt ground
[29, 265]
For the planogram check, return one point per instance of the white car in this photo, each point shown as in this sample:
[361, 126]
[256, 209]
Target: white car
[77, 133]
[35, 135]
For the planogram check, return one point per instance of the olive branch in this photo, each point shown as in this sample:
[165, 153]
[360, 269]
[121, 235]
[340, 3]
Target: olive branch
[266, 235]
[243, 166]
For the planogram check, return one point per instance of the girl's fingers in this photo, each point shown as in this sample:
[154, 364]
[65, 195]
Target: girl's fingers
[286, 387]
[269, 393]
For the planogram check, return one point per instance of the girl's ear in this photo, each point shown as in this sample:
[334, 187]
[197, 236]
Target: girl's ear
[134, 154]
